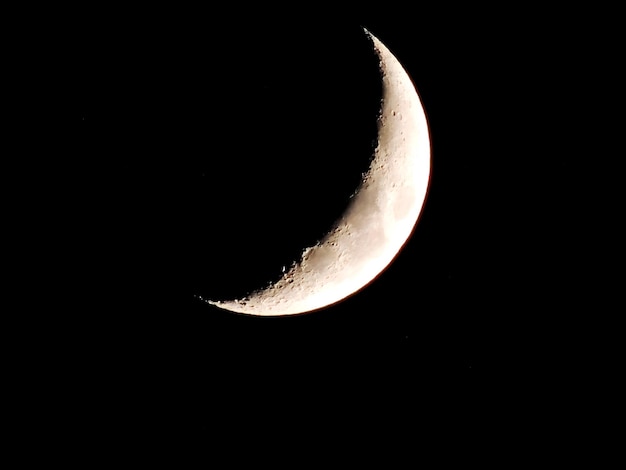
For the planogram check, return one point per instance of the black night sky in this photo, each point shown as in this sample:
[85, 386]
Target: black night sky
[203, 151]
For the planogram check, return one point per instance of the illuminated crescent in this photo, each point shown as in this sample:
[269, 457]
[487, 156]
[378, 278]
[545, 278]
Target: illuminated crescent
[379, 219]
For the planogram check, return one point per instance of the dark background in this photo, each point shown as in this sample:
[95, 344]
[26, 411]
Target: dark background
[186, 153]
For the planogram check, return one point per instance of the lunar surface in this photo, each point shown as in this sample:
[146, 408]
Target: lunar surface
[380, 216]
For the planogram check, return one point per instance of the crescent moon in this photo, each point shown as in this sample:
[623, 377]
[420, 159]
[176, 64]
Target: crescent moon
[379, 219]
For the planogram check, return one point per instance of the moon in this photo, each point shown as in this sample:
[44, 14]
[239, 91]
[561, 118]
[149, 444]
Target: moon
[379, 219]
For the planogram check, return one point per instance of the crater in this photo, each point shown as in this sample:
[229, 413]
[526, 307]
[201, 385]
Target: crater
[320, 258]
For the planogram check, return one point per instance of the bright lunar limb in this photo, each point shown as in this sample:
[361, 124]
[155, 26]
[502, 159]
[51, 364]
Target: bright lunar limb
[379, 218]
